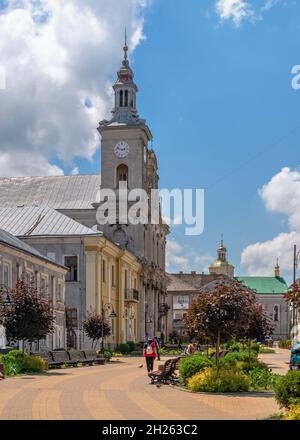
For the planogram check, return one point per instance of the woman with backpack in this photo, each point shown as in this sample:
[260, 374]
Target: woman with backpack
[150, 353]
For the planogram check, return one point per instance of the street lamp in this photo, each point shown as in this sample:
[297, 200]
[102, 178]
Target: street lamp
[295, 323]
[106, 308]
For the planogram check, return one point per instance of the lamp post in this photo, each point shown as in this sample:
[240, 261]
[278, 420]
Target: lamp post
[5, 300]
[106, 308]
[294, 313]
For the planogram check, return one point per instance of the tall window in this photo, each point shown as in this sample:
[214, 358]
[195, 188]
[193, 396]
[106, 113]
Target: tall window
[71, 262]
[126, 279]
[103, 271]
[113, 281]
[276, 313]
[121, 98]
[122, 174]
[6, 274]
[126, 98]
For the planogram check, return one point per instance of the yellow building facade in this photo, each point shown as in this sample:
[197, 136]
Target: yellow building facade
[113, 285]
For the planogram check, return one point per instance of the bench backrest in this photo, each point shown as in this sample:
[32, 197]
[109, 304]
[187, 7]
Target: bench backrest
[60, 356]
[76, 356]
[90, 354]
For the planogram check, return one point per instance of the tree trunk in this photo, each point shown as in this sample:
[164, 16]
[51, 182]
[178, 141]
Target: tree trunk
[249, 351]
[218, 350]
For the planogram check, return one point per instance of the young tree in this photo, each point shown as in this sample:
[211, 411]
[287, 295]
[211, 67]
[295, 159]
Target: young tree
[29, 317]
[293, 294]
[221, 311]
[96, 328]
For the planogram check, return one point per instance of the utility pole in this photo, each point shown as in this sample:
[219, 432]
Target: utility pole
[295, 312]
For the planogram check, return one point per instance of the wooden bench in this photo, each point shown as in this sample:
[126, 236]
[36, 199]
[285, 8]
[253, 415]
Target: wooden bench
[91, 357]
[63, 358]
[166, 373]
[48, 358]
[78, 357]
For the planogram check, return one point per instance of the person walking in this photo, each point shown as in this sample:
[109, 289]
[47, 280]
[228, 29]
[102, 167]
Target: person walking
[150, 353]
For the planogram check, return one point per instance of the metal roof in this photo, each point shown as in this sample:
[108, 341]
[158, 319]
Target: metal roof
[40, 221]
[266, 285]
[59, 192]
[8, 239]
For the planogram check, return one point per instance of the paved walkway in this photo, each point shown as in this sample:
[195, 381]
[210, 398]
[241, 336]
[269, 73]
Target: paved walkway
[121, 391]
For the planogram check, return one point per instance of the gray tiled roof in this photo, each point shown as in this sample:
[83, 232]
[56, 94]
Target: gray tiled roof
[7, 239]
[175, 284]
[40, 221]
[61, 192]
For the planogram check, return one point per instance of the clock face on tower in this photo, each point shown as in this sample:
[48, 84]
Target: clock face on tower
[121, 149]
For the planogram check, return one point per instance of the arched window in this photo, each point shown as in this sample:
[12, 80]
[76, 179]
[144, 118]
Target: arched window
[126, 98]
[121, 98]
[122, 174]
[276, 313]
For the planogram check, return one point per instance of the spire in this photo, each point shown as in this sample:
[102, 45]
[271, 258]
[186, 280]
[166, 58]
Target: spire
[125, 48]
[277, 269]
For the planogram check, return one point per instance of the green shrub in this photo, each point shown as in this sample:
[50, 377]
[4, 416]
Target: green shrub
[219, 381]
[137, 353]
[170, 352]
[33, 364]
[287, 391]
[191, 365]
[131, 346]
[108, 355]
[123, 348]
[285, 343]
[243, 356]
[255, 347]
[266, 350]
[247, 366]
[263, 379]
[294, 413]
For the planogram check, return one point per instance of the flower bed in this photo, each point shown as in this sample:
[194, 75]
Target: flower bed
[16, 362]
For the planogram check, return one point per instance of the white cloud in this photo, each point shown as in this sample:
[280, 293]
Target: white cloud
[58, 55]
[178, 259]
[34, 164]
[280, 195]
[238, 11]
[75, 171]
[175, 261]
[235, 10]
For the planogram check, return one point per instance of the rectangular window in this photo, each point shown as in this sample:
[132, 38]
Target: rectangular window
[71, 262]
[59, 293]
[103, 271]
[126, 280]
[44, 285]
[71, 318]
[6, 274]
[113, 281]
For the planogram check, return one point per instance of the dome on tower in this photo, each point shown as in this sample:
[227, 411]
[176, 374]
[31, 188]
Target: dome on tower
[221, 266]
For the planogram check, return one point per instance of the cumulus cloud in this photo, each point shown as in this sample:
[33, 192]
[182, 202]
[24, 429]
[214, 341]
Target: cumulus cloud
[58, 57]
[238, 11]
[178, 259]
[280, 195]
[235, 10]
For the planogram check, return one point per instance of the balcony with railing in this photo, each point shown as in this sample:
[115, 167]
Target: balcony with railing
[131, 295]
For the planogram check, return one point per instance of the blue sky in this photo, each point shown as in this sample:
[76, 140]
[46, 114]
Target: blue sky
[217, 95]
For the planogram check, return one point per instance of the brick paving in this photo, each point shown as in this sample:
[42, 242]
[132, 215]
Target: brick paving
[122, 391]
